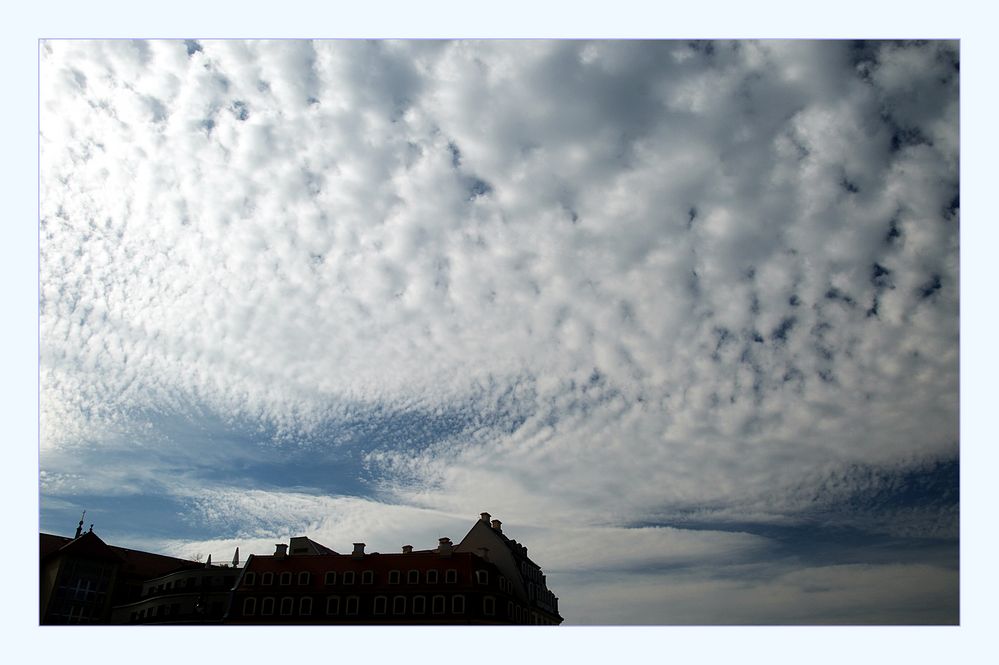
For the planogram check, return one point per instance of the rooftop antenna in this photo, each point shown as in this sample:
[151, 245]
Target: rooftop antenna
[79, 527]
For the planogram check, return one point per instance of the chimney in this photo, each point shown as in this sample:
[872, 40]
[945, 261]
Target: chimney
[497, 526]
[358, 552]
[281, 550]
[407, 549]
[484, 517]
[444, 546]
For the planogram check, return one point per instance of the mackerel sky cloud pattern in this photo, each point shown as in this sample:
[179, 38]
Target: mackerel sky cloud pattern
[672, 309]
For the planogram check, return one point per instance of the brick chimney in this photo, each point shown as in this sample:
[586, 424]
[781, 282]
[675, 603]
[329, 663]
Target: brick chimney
[358, 552]
[444, 546]
[497, 526]
[484, 517]
[280, 550]
[407, 549]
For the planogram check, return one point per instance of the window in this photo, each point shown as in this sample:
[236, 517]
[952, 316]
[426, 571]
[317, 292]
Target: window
[305, 606]
[458, 604]
[413, 577]
[482, 576]
[267, 606]
[509, 609]
[451, 576]
[367, 577]
[287, 605]
[399, 605]
[267, 578]
[393, 577]
[333, 605]
[285, 578]
[348, 577]
[438, 605]
[419, 604]
[380, 604]
[331, 577]
[250, 579]
[303, 577]
[431, 577]
[352, 603]
[489, 606]
[249, 607]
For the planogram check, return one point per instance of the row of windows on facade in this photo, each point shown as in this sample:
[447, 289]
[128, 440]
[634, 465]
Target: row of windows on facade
[400, 605]
[173, 609]
[367, 577]
[191, 582]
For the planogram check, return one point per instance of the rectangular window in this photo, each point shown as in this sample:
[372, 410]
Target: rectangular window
[249, 607]
[348, 577]
[305, 606]
[367, 577]
[333, 605]
[267, 578]
[267, 606]
[431, 577]
[419, 604]
[331, 577]
[287, 605]
[482, 576]
[489, 606]
[458, 604]
[303, 577]
[249, 579]
[394, 577]
[380, 604]
[399, 605]
[352, 603]
[285, 578]
[413, 577]
[451, 576]
[438, 605]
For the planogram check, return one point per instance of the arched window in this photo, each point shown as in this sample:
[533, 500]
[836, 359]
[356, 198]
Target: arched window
[333, 605]
[305, 606]
[303, 577]
[287, 605]
[419, 604]
[399, 605]
[249, 606]
[438, 605]
[286, 578]
[267, 578]
[381, 602]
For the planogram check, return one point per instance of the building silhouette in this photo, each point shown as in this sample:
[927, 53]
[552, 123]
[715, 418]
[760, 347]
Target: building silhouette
[487, 578]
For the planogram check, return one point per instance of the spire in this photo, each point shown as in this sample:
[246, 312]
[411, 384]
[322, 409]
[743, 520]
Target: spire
[208, 563]
[79, 527]
[235, 559]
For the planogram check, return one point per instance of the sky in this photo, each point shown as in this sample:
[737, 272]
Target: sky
[684, 315]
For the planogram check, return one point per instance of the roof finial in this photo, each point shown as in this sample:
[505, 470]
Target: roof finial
[235, 559]
[79, 527]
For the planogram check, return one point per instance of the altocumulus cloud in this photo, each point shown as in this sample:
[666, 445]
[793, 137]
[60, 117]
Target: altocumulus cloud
[658, 304]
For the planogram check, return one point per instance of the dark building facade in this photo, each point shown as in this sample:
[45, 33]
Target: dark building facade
[83, 578]
[487, 578]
